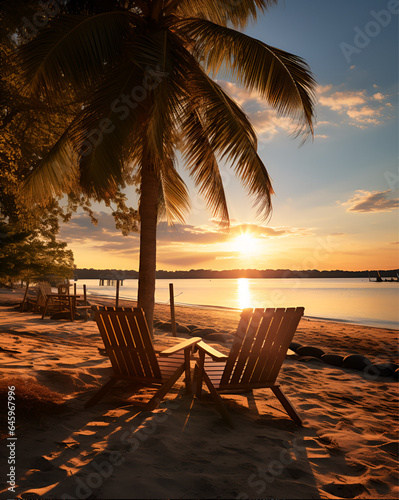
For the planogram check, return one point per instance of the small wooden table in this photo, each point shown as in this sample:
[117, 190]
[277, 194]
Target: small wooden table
[66, 300]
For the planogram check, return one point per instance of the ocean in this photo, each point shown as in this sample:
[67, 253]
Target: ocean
[353, 300]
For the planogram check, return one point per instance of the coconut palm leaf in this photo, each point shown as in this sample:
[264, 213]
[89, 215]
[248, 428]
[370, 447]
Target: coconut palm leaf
[102, 134]
[202, 165]
[233, 139]
[165, 92]
[74, 50]
[174, 195]
[222, 12]
[281, 78]
[55, 174]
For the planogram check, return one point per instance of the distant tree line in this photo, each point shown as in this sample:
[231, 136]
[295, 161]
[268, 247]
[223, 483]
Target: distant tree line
[233, 273]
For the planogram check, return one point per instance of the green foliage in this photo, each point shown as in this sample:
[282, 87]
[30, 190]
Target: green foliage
[28, 129]
[28, 255]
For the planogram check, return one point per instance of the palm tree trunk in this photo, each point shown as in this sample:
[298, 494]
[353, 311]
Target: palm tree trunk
[148, 211]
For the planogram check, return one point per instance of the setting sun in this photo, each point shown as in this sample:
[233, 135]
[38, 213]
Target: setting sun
[245, 244]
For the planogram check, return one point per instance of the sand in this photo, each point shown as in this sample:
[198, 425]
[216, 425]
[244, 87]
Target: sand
[347, 447]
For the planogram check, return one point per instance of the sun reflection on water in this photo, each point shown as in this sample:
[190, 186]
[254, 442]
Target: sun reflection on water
[244, 294]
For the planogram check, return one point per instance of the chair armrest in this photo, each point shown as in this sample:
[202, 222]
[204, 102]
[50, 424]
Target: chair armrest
[213, 353]
[180, 347]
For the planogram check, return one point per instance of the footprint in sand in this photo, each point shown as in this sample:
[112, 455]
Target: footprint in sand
[341, 490]
[392, 448]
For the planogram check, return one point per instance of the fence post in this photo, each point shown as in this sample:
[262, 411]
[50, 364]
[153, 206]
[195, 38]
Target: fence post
[117, 294]
[172, 309]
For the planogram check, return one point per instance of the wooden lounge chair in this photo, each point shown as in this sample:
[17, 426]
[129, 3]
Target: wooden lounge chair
[45, 300]
[129, 346]
[255, 359]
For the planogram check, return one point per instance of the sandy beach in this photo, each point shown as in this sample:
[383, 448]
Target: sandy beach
[347, 447]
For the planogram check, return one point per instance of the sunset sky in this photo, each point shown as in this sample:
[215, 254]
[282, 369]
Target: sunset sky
[336, 197]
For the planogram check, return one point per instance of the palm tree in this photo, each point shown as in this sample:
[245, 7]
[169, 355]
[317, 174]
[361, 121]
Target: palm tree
[141, 70]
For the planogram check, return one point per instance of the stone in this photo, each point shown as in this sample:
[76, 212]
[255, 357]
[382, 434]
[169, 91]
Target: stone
[333, 359]
[294, 346]
[219, 337]
[183, 329]
[384, 369]
[165, 326]
[202, 332]
[356, 362]
[310, 351]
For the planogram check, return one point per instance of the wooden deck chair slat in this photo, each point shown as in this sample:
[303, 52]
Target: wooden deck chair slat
[256, 353]
[147, 354]
[286, 333]
[130, 331]
[241, 332]
[268, 344]
[109, 339]
[275, 355]
[145, 339]
[115, 328]
[242, 327]
[125, 339]
[246, 346]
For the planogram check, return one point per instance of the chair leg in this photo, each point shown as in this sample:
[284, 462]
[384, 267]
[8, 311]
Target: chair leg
[200, 373]
[167, 386]
[218, 400]
[289, 408]
[195, 381]
[101, 392]
[187, 355]
[45, 307]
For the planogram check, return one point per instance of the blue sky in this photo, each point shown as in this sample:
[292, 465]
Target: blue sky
[336, 197]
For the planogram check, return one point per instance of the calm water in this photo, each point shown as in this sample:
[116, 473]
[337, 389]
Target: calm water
[353, 300]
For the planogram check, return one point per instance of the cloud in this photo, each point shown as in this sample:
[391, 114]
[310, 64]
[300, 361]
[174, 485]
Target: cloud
[268, 232]
[194, 243]
[361, 109]
[371, 201]
[342, 100]
[379, 97]
[191, 259]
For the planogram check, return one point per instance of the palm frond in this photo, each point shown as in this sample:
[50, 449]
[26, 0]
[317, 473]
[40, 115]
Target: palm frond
[232, 137]
[202, 165]
[159, 55]
[283, 79]
[55, 174]
[103, 134]
[222, 12]
[174, 194]
[73, 50]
